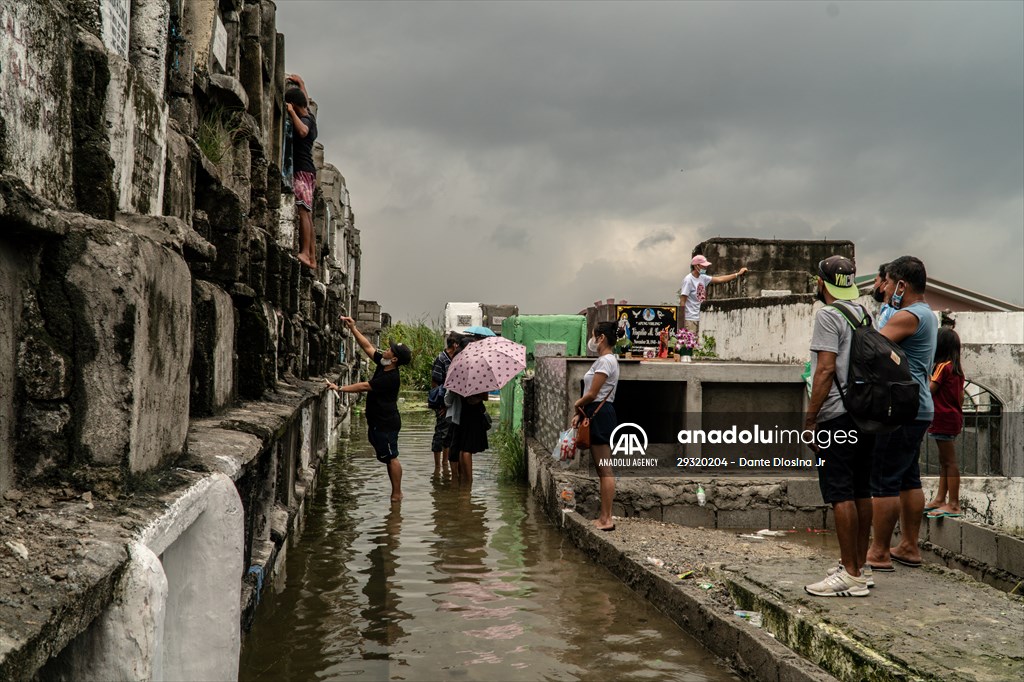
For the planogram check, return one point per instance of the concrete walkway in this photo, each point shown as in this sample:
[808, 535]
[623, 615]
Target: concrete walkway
[930, 623]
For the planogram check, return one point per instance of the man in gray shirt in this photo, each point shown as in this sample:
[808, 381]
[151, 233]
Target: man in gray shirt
[844, 453]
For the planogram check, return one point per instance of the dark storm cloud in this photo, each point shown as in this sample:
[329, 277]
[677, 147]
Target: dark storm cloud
[656, 239]
[488, 133]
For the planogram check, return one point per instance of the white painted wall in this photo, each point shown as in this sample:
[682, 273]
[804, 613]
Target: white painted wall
[126, 641]
[204, 565]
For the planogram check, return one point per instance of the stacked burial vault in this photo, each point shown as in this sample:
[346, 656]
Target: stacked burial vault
[147, 269]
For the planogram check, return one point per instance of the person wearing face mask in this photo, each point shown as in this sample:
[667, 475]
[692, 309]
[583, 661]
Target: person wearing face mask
[878, 293]
[597, 403]
[896, 474]
[695, 287]
[383, 420]
[844, 475]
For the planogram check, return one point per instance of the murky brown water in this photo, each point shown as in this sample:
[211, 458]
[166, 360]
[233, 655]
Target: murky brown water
[451, 584]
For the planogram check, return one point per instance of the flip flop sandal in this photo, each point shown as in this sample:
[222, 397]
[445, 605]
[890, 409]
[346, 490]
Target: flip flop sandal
[905, 562]
[953, 515]
[928, 509]
[883, 569]
[608, 530]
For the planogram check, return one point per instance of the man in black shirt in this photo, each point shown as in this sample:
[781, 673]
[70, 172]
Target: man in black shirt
[382, 417]
[304, 173]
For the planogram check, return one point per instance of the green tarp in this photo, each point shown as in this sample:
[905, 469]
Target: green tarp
[529, 330]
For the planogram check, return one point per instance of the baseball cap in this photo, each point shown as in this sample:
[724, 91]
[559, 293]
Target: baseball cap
[402, 353]
[838, 274]
[700, 261]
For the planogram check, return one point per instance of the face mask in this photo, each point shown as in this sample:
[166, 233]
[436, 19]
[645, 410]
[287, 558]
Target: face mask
[703, 271]
[386, 362]
[897, 295]
[592, 346]
[878, 295]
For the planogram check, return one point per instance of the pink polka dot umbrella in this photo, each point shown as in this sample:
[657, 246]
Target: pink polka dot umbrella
[485, 365]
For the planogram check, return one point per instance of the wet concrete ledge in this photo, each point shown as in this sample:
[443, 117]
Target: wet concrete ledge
[705, 616]
[65, 552]
[931, 623]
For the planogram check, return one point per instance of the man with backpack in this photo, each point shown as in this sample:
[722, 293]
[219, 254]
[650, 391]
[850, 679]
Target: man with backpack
[844, 474]
[896, 474]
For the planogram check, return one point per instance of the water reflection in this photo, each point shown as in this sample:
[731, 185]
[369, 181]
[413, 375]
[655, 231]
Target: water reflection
[382, 616]
[451, 583]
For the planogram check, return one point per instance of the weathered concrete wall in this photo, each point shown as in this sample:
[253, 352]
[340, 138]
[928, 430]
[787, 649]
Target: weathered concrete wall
[133, 378]
[36, 144]
[12, 274]
[137, 124]
[213, 355]
[148, 272]
[774, 264]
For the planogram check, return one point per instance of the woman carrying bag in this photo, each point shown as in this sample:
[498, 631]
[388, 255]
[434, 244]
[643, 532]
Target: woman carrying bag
[597, 407]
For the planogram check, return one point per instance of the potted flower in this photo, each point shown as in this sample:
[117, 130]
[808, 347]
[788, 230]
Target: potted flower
[686, 341]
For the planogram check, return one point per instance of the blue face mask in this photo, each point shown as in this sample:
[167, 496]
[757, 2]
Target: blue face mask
[703, 271]
[896, 300]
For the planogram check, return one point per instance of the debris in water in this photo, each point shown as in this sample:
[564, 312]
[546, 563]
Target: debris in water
[774, 533]
[705, 586]
[684, 576]
[657, 562]
[750, 536]
[819, 531]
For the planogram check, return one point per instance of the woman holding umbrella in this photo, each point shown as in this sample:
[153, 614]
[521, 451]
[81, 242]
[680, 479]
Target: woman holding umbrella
[480, 367]
[596, 404]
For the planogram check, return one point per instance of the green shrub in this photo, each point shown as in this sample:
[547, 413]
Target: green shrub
[706, 349]
[217, 132]
[425, 341]
[508, 446]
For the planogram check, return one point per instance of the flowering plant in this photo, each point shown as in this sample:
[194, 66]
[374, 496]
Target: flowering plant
[685, 339]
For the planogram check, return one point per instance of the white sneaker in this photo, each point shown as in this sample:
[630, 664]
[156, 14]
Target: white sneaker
[839, 584]
[865, 572]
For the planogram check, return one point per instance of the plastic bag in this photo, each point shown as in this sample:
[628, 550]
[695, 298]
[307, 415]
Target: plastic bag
[565, 448]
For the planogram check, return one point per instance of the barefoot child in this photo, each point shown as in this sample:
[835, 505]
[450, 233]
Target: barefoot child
[304, 176]
[947, 386]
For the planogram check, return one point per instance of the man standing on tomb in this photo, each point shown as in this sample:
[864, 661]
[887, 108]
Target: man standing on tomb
[694, 290]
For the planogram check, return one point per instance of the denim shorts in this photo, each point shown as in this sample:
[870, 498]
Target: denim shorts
[385, 444]
[601, 424]
[941, 436]
[895, 467]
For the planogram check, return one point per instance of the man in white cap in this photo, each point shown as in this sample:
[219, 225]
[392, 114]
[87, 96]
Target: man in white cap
[695, 288]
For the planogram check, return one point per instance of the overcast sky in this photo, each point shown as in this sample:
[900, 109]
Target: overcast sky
[551, 154]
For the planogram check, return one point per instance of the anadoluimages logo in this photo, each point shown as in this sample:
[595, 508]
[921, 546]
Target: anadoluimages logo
[629, 439]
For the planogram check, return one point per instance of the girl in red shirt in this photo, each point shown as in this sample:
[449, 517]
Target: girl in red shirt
[947, 385]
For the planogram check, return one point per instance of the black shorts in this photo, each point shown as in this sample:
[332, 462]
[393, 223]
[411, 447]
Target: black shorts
[845, 471]
[385, 443]
[896, 465]
[601, 424]
[442, 429]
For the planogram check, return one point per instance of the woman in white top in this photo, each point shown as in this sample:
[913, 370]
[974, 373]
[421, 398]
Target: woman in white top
[599, 386]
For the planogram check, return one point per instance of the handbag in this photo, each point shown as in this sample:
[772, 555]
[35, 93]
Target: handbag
[435, 398]
[583, 427]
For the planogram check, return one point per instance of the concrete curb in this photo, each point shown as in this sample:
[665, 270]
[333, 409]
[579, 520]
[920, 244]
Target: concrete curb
[752, 652]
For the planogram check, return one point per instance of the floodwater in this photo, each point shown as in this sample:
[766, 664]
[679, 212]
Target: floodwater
[450, 584]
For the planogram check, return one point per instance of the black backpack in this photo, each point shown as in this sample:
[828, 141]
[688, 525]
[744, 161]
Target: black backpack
[880, 394]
